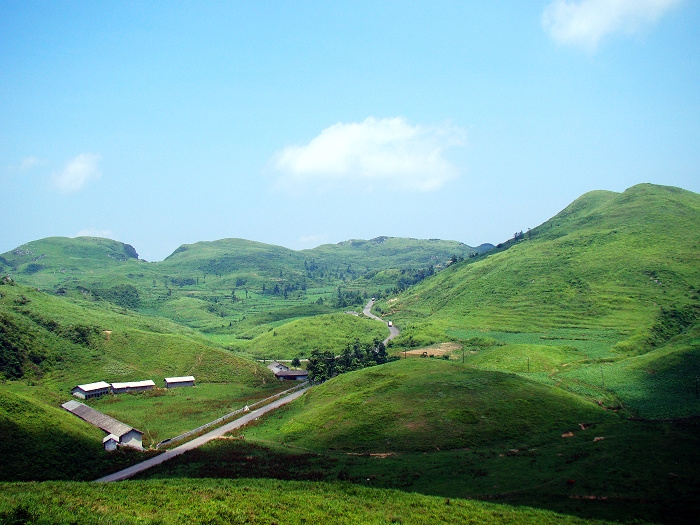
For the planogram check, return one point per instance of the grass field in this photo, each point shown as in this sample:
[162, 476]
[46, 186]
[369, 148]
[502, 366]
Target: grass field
[570, 384]
[249, 501]
[536, 446]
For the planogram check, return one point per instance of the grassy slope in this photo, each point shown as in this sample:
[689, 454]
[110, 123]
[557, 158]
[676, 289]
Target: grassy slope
[41, 441]
[442, 428]
[322, 332]
[608, 261]
[611, 277]
[427, 404]
[249, 501]
[60, 343]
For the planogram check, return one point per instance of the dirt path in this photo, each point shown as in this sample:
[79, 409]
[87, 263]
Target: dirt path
[198, 442]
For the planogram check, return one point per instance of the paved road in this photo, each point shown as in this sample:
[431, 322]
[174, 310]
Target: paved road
[198, 442]
[393, 331]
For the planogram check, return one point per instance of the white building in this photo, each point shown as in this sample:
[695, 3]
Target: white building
[172, 382]
[276, 367]
[118, 433]
[133, 386]
[91, 390]
[110, 442]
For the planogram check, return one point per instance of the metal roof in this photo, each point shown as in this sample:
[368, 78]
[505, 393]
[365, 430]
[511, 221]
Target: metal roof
[93, 386]
[183, 379]
[292, 373]
[100, 420]
[134, 384]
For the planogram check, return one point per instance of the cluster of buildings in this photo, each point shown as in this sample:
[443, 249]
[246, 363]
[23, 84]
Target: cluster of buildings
[101, 388]
[118, 433]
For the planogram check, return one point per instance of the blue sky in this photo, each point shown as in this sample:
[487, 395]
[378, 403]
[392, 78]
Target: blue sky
[303, 123]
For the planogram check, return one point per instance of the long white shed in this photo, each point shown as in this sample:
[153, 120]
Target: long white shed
[120, 433]
[91, 390]
[172, 382]
[133, 386]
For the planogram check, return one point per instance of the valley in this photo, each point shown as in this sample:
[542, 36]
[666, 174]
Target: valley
[552, 377]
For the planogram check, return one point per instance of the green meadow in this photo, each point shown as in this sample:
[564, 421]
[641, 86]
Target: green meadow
[255, 501]
[563, 384]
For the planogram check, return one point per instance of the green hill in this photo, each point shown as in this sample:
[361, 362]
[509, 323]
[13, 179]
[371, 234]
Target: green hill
[232, 290]
[608, 261]
[439, 427]
[427, 404]
[612, 276]
[322, 332]
[50, 344]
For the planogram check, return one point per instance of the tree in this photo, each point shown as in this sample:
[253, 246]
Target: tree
[296, 362]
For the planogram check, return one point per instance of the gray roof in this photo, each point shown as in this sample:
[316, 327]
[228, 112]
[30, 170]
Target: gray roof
[100, 420]
[277, 367]
[292, 373]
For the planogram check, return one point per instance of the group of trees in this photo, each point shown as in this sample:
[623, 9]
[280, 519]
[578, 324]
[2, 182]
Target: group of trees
[345, 298]
[323, 364]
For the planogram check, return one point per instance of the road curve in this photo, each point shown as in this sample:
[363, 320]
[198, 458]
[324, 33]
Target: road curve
[393, 331]
[201, 440]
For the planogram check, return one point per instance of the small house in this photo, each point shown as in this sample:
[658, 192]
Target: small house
[91, 390]
[133, 386]
[276, 367]
[110, 442]
[133, 438]
[292, 375]
[173, 382]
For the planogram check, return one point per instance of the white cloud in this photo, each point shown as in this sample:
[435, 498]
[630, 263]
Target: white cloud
[31, 162]
[77, 173]
[373, 151]
[94, 232]
[586, 22]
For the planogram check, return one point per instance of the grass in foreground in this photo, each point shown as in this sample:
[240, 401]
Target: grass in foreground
[637, 471]
[247, 501]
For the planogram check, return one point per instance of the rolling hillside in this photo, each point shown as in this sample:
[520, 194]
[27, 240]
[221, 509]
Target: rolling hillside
[50, 344]
[611, 277]
[425, 405]
[570, 383]
[607, 261]
[232, 290]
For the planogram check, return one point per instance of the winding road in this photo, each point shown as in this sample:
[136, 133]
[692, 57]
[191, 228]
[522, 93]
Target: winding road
[393, 331]
[201, 440]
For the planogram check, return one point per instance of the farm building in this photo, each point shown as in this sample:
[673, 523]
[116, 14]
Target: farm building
[122, 433]
[172, 382]
[276, 367]
[133, 386]
[292, 375]
[110, 442]
[91, 390]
